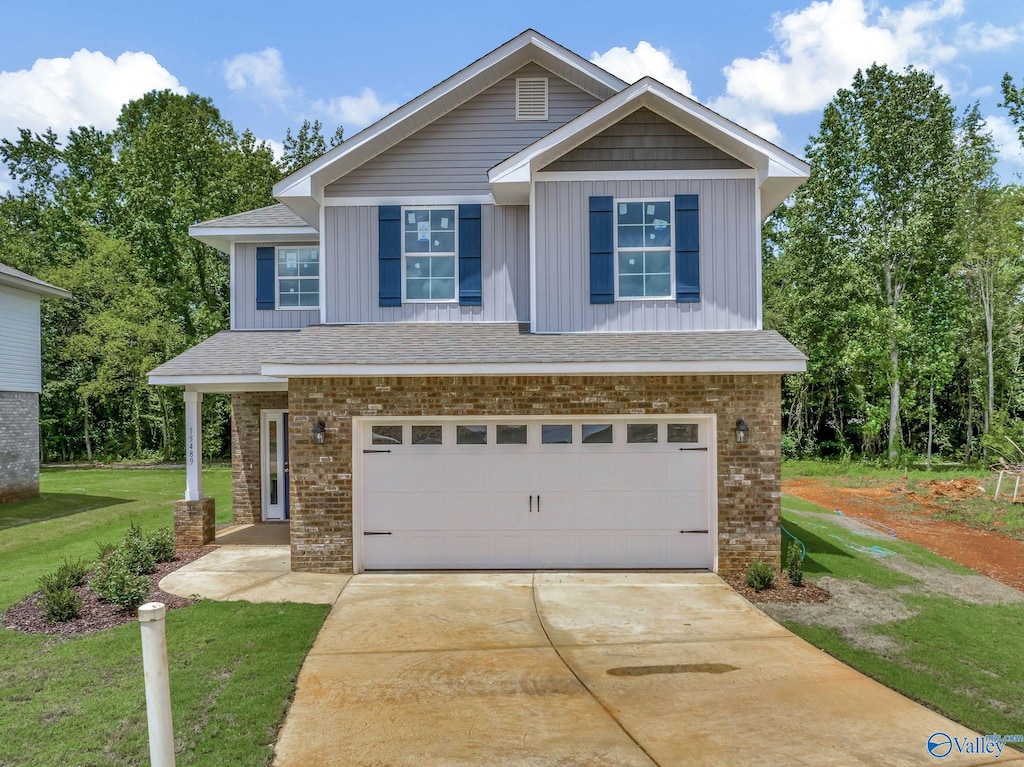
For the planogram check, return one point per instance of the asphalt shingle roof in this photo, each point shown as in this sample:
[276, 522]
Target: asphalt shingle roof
[18, 278]
[242, 352]
[272, 215]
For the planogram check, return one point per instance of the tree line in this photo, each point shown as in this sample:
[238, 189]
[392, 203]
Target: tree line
[898, 268]
[105, 215]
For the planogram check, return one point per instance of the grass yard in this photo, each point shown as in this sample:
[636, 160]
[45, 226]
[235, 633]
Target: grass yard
[80, 700]
[961, 658]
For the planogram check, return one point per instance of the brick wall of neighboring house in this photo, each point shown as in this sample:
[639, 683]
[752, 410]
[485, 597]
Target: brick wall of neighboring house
[19, 445]
[245, 451]
[749, 483]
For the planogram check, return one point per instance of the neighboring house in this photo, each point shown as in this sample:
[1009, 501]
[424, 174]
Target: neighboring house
[20, 381]
[514, 324]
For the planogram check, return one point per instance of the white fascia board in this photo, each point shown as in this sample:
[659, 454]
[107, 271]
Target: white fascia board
[302, 184]
[410, 199]
[33, 286]
[232, 382]
[222, 238]
[707, 367]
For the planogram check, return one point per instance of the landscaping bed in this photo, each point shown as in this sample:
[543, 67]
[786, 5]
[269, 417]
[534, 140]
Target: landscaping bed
[29, 617]
[782, 591]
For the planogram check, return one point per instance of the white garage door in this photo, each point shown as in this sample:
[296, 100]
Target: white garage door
[593, 492]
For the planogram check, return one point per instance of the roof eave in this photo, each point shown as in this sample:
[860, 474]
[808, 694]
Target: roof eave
[37, 287]
[221, 237]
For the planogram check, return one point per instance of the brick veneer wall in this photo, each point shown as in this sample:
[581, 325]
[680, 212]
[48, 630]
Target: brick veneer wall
[245, 451]
[19, 445]
[749, 484]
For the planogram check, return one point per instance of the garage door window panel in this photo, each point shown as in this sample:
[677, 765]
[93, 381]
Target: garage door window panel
[510, 434]
[427, 435]
[597, 433]
[471, 435]
[386, 435]
[687, 433]
[642, 433]
[556, 434]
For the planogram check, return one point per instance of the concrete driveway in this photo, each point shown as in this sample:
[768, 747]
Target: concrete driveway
[586, 669]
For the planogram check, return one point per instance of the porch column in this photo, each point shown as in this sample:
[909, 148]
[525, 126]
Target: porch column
[193, 445]
[194, 516]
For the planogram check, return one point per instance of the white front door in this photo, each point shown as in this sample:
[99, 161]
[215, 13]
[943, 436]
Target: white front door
[580, 492]
[274, 460]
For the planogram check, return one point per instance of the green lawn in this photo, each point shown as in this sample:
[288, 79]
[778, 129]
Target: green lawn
[80, 701]
[959, 658]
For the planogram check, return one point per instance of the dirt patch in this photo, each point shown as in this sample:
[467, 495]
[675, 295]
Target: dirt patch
[854, 611]
[781, 591]
[28, 618]
[910, 515]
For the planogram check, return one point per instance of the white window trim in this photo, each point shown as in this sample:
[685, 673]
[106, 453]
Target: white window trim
[671, 248]
[454, 254]
[277, 279]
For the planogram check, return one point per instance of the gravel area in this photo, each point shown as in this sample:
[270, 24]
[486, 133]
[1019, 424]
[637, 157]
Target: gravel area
[28, 618]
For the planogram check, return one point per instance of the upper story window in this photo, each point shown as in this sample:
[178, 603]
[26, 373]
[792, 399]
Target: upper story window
[643, 248]
[298, 278]
[429, 254]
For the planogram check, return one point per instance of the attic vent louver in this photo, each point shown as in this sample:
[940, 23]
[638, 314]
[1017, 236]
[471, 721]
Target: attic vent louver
[532, 98]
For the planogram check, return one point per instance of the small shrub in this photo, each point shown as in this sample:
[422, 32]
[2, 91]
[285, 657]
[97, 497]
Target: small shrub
[760, 575]
[795, 566]
[115, 580]
[161, 544]
[104, 549]
[134, 549]
[67, 576]
[61, 604]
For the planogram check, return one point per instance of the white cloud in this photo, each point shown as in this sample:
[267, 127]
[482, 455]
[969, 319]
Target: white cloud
[1004, 134]
[356, 111]
[988, 36]
[88, 88]
[261, 75]
[819, 47]
[275, 146]
[644, 60]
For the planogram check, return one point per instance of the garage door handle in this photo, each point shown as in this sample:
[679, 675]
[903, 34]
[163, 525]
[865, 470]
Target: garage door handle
[531, 504]
[695, 532]
[699, 449]
[376, 532]
[376, 451]
[538, 503]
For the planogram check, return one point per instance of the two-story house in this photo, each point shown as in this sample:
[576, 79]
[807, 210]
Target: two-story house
[516, 323]
[21, 381]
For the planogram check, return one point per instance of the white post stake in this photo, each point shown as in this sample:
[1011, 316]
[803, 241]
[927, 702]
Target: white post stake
[193, 445]
[158, 688]
[1016, 488]
[999, 483]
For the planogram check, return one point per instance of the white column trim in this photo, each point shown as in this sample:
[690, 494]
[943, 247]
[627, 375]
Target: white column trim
[193, 445]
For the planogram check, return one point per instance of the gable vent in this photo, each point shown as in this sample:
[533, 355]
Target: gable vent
[531, 98]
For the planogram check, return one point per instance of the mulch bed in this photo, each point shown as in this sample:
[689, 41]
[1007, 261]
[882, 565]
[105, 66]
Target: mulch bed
[781, 592]
[28, 618]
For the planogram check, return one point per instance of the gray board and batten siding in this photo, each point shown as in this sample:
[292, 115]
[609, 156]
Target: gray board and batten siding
[453, 154]
[244, 314]
[729, 255]
[644, 140]
[352, 278]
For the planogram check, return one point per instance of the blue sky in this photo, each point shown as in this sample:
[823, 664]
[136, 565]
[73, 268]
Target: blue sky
[771, 66]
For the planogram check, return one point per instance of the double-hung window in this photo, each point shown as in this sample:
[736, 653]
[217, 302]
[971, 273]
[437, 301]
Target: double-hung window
[429, 254]
[643, 248]
[298, 278]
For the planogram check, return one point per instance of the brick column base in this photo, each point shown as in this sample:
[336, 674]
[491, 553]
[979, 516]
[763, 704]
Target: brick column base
[194, 522]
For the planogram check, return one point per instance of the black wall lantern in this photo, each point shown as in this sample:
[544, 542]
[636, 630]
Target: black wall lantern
[319, 432]
[741, 432]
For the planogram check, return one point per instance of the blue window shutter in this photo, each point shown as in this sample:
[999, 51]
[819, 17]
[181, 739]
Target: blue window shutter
[469, 255]
[389, 254]
[687, 249]
[265, 282]
[602, 251]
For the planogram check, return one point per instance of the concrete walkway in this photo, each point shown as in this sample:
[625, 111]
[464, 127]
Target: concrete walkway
[252, 574]
[585, 669]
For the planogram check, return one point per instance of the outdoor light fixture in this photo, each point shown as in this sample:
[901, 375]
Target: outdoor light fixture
[741, 432]
[319, 432]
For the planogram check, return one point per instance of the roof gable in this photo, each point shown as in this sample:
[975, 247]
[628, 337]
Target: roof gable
[778, 172]
[19, 280]
[301, 191]
[644, 140]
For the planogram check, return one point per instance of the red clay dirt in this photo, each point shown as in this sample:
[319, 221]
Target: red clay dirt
[909, 514]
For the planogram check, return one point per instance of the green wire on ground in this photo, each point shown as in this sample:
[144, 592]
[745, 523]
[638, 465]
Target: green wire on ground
[803, 549]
